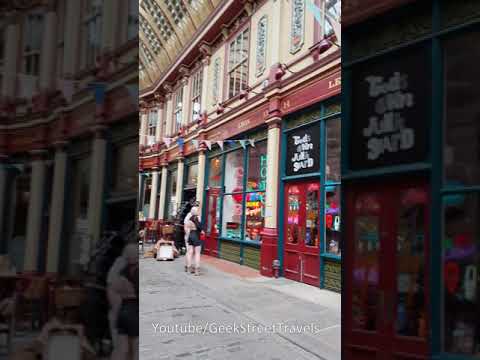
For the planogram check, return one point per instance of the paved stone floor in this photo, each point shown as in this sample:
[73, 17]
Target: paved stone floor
[230, 312]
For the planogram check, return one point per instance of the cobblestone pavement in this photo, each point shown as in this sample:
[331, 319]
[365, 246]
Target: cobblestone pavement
[228, 313]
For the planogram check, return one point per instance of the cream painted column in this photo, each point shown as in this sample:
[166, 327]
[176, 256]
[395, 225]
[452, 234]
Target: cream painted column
[158, 129]
[35, 208]
[179, 193]
[57, 208]
[273, 158]
[163, 193]
[49, 50]
[71, 58]
[143, 127]
[276, 27]
[10, 63]
[201, 177]
[97, 184]
[153, 196]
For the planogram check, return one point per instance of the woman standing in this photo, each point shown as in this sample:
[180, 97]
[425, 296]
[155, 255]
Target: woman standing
[192, 231]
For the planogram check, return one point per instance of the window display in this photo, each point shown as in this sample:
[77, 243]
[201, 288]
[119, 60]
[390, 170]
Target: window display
[257, 167]
[293, 217]
[332, 220]
[254, 215]
[215, 172]
[192, 174]
[461, 264]
[232, 217]
[312, 211]
[462, 125]
[334, 140]
[234, 171]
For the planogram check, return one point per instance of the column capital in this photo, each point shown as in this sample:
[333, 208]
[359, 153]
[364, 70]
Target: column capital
[274, 122]
[38, 154]
[99, 131]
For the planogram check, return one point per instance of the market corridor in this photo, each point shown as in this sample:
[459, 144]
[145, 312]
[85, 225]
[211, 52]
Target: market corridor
[230, 312]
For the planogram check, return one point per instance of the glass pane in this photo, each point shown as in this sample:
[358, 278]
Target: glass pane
[172, 204]
[192, 175]
[411, 312]
[462, 125]
[213, 215]
[257, 167]
[365, 288]
[234, 171]
[215, 172]
[461, 265]
[294, 205]
[334, 140]
[254, 215]
[312, 233]
[332, 220]
[232, 216]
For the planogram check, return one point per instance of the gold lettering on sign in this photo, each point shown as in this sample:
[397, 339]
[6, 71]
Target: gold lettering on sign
[243, 124]
[286, 104]
[334, 83]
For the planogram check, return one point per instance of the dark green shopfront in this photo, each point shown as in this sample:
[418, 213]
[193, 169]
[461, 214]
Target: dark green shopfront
[411, 183]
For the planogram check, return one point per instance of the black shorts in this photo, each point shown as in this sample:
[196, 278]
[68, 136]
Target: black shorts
[194, 239]
[127, 321]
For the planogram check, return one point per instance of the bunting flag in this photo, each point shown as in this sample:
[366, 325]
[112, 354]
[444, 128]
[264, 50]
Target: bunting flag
[252, 142]
[195, 144]
[180, 142]
[230, 142]
[167, 141]
[243, 143]
[220, 144]
[208, 143]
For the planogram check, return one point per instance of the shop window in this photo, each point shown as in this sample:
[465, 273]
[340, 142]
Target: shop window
[171, 197]
[411, 312]
[254, 215]
[197, 95]
[257, 167]
[462, 120]
[32, 43]
[234, 171]
[215, 172]
[178, 111]
[461, 265]
[238, 64]
[297, 30]
[332, 220]
[365, 287]
[312, 233]
[192, 175]
[92, 24]
[232, 216]
[213, 214]
[334, 141]
[293, 218]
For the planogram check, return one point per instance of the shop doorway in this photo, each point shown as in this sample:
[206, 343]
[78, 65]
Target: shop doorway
[213, 217]
[302, 232]
[386, 271]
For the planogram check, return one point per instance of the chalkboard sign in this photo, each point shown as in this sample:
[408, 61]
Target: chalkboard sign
[303, 150]
[390, 111]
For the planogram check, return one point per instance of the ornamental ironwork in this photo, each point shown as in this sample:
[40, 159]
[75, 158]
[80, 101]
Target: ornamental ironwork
[261, 45]
[298, 25]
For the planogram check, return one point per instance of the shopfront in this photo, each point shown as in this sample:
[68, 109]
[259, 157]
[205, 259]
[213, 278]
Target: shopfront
[411, 184]
[310, 211]
[235, 200]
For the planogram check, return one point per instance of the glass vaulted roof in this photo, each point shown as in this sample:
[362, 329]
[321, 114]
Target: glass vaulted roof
[165, 28]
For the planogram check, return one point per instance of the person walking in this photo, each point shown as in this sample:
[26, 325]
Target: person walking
[193, 229]
[126, 286]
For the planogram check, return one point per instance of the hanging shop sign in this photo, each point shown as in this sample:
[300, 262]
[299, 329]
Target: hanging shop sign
[390, 111]
[303, 150]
